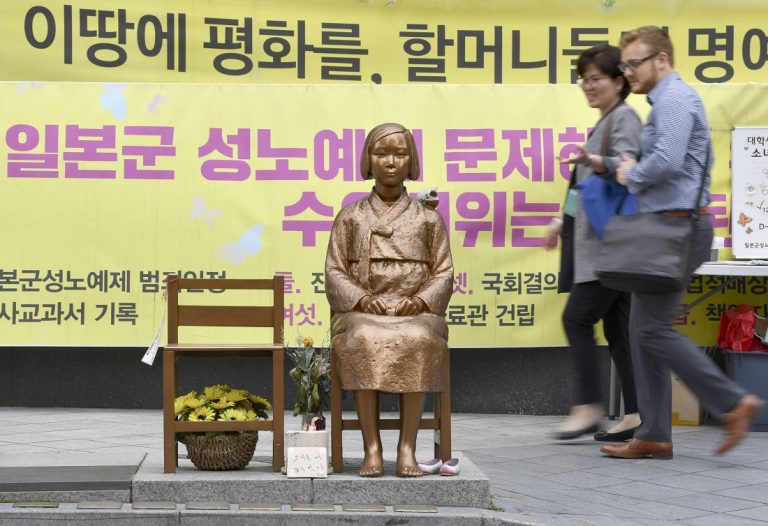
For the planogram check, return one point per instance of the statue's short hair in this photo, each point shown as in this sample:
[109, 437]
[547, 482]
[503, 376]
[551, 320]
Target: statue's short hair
[381, 131]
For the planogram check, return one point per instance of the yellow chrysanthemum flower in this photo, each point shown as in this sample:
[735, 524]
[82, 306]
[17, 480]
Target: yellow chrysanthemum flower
[222, 403]
[235, 415]
[250, 415]
[205, 414]
[237, 394]
[308, 341]
[213, 392]
[180, 401]
[179, 404]
[260, 402]
[193, 403]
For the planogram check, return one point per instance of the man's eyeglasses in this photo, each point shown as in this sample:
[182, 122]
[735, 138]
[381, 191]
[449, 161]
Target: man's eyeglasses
[591, 81]
[632, 65]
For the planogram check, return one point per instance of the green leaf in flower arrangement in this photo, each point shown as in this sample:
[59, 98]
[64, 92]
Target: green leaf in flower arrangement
[315, 397]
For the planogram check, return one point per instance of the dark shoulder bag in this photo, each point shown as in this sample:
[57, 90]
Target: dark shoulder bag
[567, 229]
[648, 252]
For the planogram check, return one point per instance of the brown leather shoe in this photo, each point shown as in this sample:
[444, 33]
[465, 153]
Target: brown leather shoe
[737, 422]
[637, 448]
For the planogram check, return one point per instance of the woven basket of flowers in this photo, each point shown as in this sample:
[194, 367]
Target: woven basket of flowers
[220, 450]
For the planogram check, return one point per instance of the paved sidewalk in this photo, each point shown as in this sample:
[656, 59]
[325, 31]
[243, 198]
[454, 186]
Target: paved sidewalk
[533, 479]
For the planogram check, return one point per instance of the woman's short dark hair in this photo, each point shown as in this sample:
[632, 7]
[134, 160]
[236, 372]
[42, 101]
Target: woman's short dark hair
[607, 59]
[381, 131]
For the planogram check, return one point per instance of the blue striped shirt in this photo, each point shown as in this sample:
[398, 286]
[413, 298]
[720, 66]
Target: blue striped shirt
[675, 143]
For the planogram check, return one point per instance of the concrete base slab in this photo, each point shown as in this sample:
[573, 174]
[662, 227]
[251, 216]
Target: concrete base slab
[257, 483]
[123, 495]
[51, 478]
[235, 517]
[68, 512]
[67, 483]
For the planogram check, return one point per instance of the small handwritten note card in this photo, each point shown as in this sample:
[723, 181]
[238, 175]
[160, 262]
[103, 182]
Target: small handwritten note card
[307, 462]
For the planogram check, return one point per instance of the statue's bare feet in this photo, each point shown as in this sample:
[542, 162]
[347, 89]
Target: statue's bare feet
[373, 464]
[406, 463]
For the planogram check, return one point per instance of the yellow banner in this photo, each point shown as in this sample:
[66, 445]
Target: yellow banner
[364, 41]
[108, 188]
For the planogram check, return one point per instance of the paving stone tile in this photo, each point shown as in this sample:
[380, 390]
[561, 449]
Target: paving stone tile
[494, 455]
[597, 497]
[670, 511]
[534, 482]
[760, 465]
[625, 521]
[721, 519]
[743, 474]
[518, 503]
[516, 452]
[687, 464]
[633, 471]
[514, 468]
[69, 444]
[740, 457]
[759, 514]
[645, 491]
[569, 460]
[710, 502]
[697, 482]
[585, 480]
[755, 492]
[10, 451]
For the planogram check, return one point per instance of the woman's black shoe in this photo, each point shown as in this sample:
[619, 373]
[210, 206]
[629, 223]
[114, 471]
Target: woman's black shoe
[621, 436]
[570, 435]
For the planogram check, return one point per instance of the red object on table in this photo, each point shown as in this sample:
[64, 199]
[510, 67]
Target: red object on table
[737, 330]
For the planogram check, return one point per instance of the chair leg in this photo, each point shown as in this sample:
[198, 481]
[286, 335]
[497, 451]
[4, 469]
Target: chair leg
[436, 433]
[278, 411]
[337, 456]
[170, 448]
[443, 405]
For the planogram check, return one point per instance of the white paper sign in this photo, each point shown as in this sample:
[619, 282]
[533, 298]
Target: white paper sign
[307, 462]
[749, 192]
[149, 356]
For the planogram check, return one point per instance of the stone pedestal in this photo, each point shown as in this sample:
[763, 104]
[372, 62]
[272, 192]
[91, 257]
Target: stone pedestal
[257, 483]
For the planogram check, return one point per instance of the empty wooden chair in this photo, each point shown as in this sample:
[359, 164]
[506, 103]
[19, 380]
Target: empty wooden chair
[270, 315]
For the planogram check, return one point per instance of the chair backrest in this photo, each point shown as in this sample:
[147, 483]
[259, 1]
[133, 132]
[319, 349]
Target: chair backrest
[269, 315]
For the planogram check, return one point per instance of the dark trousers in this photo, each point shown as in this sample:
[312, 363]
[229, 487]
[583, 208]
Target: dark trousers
[658, 348]
[589, 303]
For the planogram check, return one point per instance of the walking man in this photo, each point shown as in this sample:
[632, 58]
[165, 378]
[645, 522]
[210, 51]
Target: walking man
[676, 155]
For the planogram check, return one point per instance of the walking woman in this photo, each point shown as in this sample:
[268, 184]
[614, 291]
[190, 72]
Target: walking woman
[615, 134]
